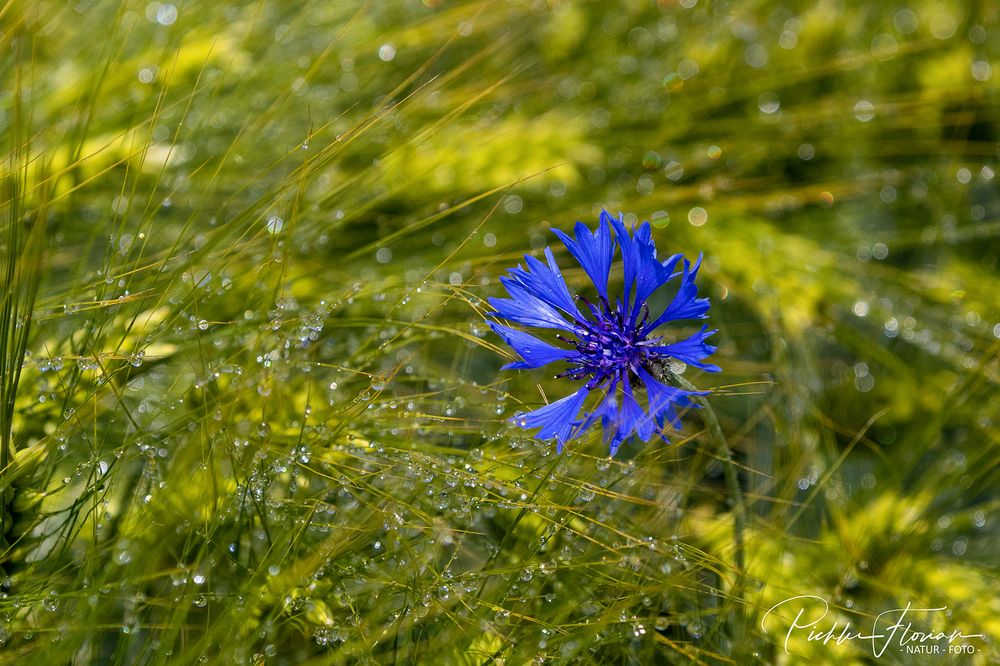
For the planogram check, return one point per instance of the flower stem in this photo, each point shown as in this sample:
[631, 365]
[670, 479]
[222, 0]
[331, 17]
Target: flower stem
[729, 472]
[739, 508]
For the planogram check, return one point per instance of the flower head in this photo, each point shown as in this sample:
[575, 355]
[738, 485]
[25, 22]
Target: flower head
[610, 347]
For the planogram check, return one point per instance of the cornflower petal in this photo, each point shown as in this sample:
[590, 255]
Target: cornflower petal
[594, 252]
[652, 273]
[663, 398]
[686, 304]
[606, 410]
[630, 418]
[691, 350]
[526, 309]
[555, 420]
[630, 254]
[535, 352]
[546, 283]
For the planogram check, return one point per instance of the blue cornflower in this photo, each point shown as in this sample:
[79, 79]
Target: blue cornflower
[611, 347]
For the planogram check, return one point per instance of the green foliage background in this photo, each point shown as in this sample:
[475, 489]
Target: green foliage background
[251, 409]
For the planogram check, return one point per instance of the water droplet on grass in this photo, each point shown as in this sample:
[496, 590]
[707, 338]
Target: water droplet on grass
[697, 216]
[386, 52]
[864, 111]
[51, 602]
[768, 102]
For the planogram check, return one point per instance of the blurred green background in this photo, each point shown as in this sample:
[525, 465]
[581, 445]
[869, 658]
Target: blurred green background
[251, 409]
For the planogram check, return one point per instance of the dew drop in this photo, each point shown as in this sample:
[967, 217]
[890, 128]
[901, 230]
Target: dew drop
[274, 224]
[386, 52]
[864, 111]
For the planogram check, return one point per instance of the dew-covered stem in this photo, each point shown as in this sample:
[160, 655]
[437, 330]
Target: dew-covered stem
[728, 470]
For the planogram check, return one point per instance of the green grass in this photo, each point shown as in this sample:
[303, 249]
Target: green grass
[250, 408]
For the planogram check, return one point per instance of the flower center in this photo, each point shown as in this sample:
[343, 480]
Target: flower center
[609, 345]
